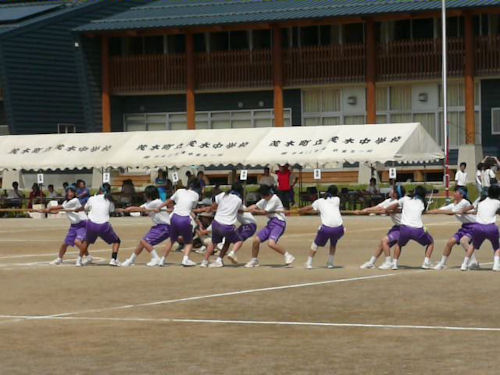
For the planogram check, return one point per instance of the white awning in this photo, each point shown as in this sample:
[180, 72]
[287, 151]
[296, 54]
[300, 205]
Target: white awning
[323, 146]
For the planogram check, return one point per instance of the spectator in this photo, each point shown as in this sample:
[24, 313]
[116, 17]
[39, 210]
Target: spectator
[293, 181]
[486, 176]
[127, 193]
[372, 188]
[479, 172]
[36, 196]
[65, 186]
[52, 193]
[161, 184]
[461, 176]
[15, 196]
[217, 190]
[284, 187]
[267, 179]
[190, 178]
[204, 181]
[82, 193]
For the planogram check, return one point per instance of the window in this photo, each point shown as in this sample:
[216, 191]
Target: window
[309, 36]
[261, 39]
[4, 130]
[66, 128]
[423, 28]
[455, 27]
[176, 43]
[238, 40]
[199, 43]
[481, 24]
[115, 46]
[133, 46]
[354, 33]
[219, 42]
[153, 45]
[495, 121]
[402, 30]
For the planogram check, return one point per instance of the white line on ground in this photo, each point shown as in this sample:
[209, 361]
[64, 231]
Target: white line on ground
[55, 253]
[259, 322]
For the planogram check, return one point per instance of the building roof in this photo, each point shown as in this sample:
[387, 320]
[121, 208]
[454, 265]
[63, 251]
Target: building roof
[192, 13]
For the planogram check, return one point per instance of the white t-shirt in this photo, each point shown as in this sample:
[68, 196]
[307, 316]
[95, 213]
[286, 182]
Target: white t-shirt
[185, 201]
[267, 180]
[246, 217]
[99, 208]
[273, 204]
[395, 217]
[461, 178]
[478, 177]
[161, 217]
[411, 214]
[74, 217]
[487, 211]
[465, 218]
[329, 211]
[486, 176]
[227, 209]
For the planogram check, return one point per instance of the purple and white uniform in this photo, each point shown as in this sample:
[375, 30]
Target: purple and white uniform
[394, 232]
[98, 208]
[412, 227]
[181, 221]
[276, 225]
[332, 228]
[467, 220]
[161, 230]
[77, 229]
[485, 227]
[226, 216]
[248, 225]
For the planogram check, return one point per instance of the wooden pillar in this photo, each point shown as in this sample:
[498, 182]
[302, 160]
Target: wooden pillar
[371, 72]
[106, 101]
[190, 83]
[277, 57]
[470, 126]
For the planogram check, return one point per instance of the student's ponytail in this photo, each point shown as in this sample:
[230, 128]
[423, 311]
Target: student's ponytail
[106, 190]
[332, 191]
[420, 193]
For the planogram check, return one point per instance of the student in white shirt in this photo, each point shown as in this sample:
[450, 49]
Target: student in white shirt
[392, 236]
[183, 202]
[464, 234]
[247, 228]
[77, 230]
[226, 207]
[98, 208]
[332, 228]
[158, 233]
[461, 176]
[271, 206]
[412, 227]
[486, 228]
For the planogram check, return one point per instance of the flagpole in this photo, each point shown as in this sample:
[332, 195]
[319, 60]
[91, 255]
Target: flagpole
[445, 101]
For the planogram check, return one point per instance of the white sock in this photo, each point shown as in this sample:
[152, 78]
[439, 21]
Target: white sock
[427, 260]
[154, 254]
[132, 257]
[373, 260]
[496, 260]
[255, 259]
[309, 260]
[466, 260]
[388, 259]
[395, 261]
[444, 259]
[79, 259]
[185, 258]
[219, 260]
[473, 258]
[330, 259]
[287, 254]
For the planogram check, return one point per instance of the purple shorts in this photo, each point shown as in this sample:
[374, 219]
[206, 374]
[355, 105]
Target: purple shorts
[157, 234]
[222, 231]
[181, 226]
[105, 231]
[482, 232]
[419, 235]
[326, 233]
[245, 231]
[393, 235]
[272, 231]
[465, 230]
[76, 232]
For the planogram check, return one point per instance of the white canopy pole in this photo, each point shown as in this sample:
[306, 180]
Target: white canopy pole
[445, 100]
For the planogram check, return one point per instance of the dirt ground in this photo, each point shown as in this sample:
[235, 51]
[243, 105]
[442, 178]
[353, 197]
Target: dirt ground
[269, 320]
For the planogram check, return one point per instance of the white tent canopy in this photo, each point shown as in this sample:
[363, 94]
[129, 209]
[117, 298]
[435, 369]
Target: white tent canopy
[323, 146]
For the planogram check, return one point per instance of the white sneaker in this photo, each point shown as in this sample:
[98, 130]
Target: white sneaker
[474, 266]
[252, 263]
[426, 265]
[464, 267]
[56, 262]
[394, 266]
[88, 260]
[367, 266]
[496, 268]
[330, 266]
[308, 266]
[232, 257]
[201, 250]
[128, 263]
[154, 262]
[217, 264]
[204, 263]
[289, 259]
[385, 266]
[161, 262]
[220, 245]
[188, 263]
[114, 262]
[79, 263]
[440, 266]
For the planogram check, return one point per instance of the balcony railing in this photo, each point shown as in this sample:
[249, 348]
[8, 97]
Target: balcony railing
[487, 55]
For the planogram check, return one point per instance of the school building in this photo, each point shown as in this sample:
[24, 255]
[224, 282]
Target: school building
[211, 64]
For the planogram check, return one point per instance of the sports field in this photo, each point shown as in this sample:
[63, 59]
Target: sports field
[269, 320]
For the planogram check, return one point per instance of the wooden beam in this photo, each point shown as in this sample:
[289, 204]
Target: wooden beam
[371, 72]
[106, 101]
[470, 126]
[277, 57]
[190, 83]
